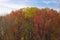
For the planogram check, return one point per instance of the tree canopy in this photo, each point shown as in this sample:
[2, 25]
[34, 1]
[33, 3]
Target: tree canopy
[30, 24]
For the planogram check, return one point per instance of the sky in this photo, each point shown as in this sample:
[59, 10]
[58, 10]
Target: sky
[6, 6]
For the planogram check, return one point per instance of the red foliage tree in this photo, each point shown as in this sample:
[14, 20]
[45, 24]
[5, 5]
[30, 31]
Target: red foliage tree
[42, 21]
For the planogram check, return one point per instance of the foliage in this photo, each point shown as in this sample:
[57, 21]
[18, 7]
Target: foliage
[30, 24]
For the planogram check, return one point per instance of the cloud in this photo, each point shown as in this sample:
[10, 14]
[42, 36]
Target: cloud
[58, 2]
[2, 1]
[58, 9]
[48, 2]
[4, 10]
[14, 6]
[11, 5]
[6, 7]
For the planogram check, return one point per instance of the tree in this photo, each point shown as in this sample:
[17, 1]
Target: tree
[42, 22]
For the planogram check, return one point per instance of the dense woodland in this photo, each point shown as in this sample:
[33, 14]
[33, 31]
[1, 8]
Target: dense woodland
[30, 24]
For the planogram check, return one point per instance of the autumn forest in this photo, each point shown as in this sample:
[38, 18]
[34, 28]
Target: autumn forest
[30, 24]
